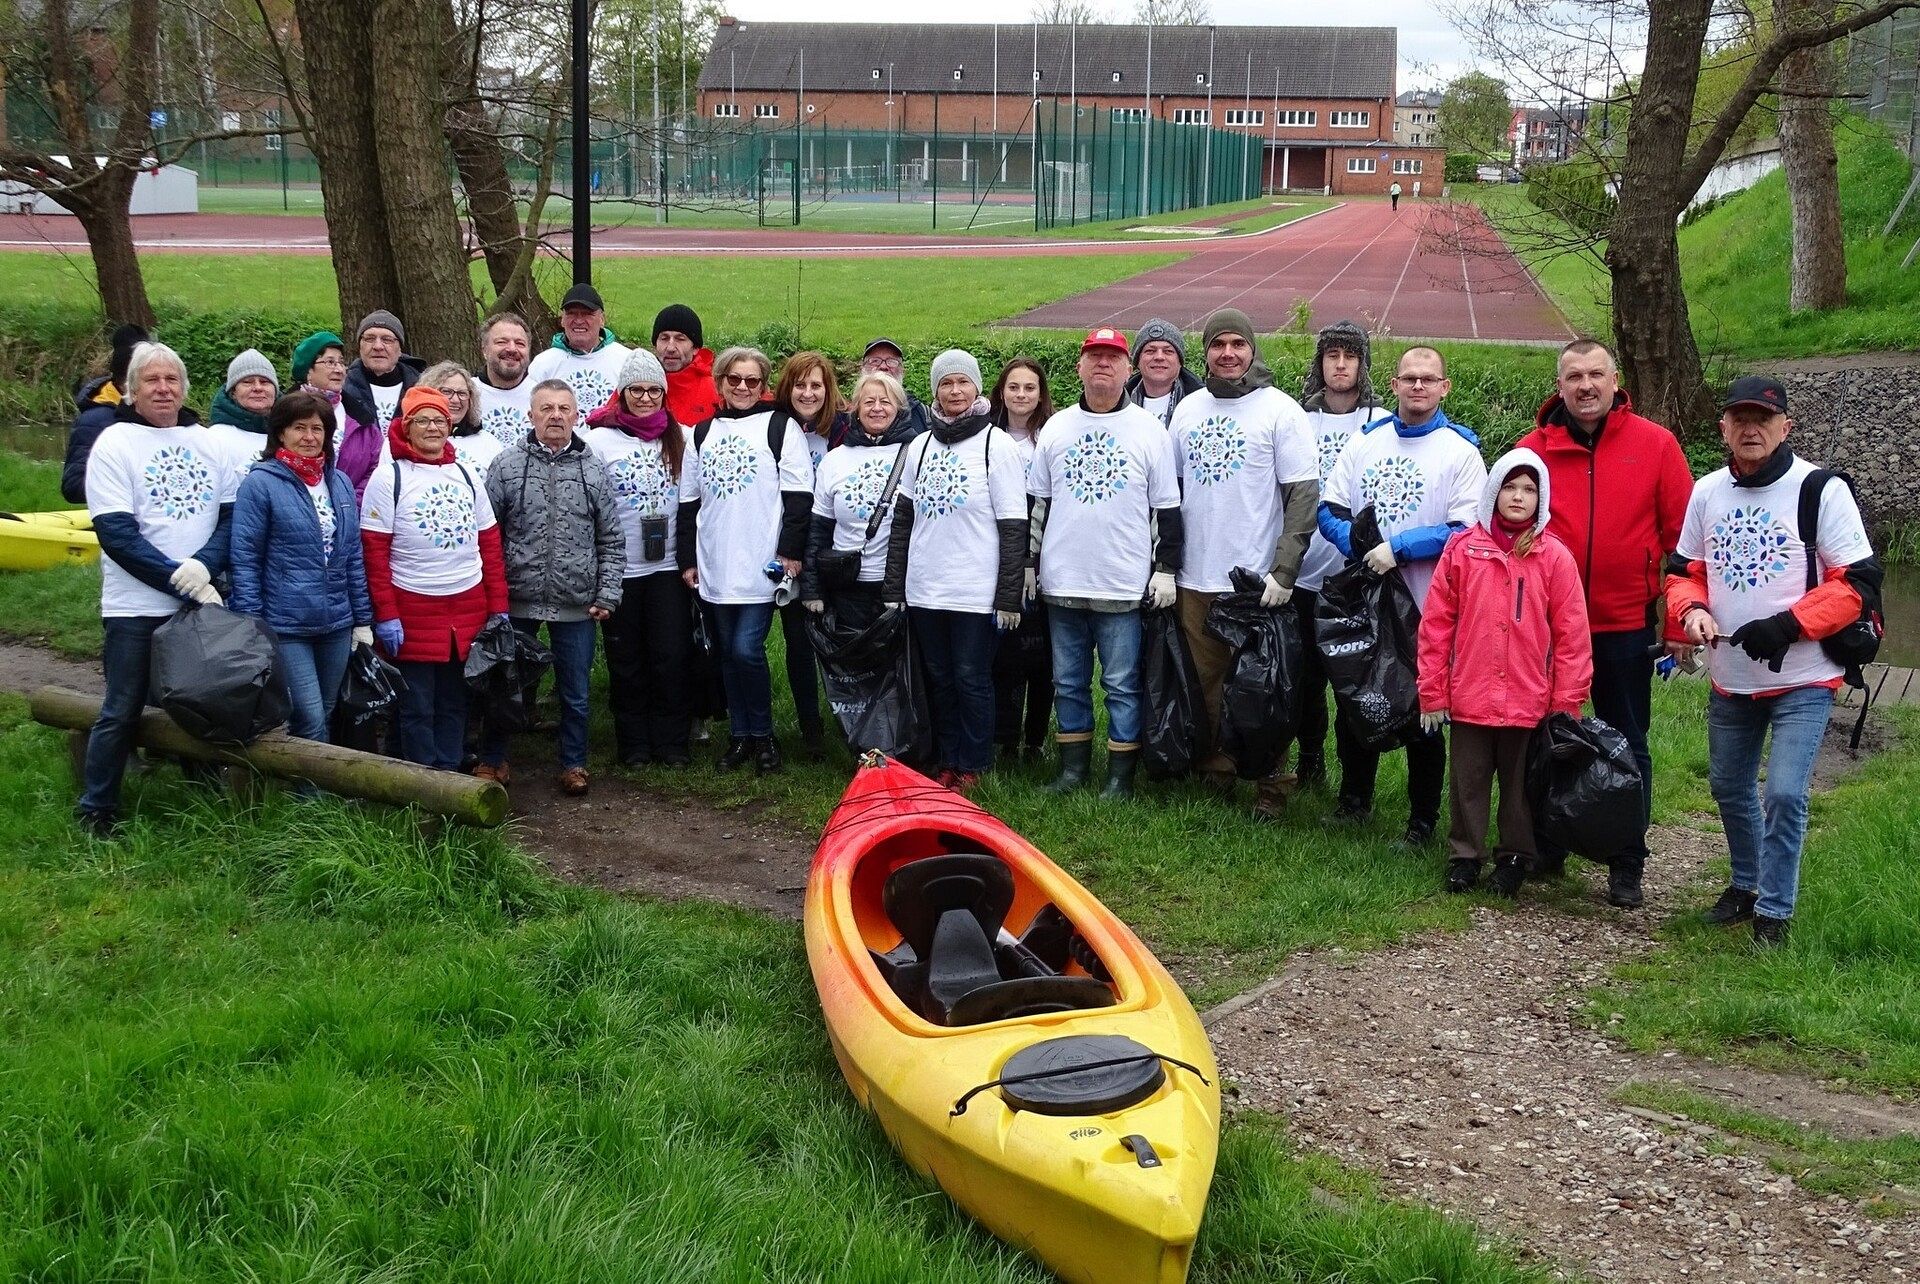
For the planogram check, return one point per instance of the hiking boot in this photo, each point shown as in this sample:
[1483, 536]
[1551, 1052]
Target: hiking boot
[1769, 933]
[1311, 770]
[739, 750]
[1548, 867]
[499, 772]
[1623, 882]
[1461, 876]
[1120, 768]
[573, 781]
[1734, 906]
[1350, 811]
[1508, 873]
[104, 826]
[1419, 833]
[1076, 760]
[1269, 801]
[766, 755]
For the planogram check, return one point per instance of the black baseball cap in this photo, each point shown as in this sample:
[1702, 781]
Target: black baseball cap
[1756, 390]
[883, 342]
[583, 296]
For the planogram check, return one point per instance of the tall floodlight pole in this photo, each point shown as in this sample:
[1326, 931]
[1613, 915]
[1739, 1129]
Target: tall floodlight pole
[659, 138]
[1146, 132]
[582, 161]
[1206, 157]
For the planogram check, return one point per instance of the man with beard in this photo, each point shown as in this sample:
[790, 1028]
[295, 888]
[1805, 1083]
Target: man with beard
[678, 339]
[506, 348]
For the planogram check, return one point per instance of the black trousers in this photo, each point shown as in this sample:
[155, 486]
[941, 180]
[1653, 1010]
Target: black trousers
[1312, 735]
[1023, 682]
[649, 645]
[1426, 774]
[803, 671]
[1623, 699]
[857, 605]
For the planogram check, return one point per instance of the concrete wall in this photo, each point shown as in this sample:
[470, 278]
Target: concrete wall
[1860, 414]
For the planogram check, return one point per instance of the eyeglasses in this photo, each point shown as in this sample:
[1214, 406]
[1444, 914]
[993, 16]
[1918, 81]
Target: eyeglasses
[743, 381]
[891, 365]
[455, 394]
[648, 394]
[1420, 381]
[332, 361]
[427, 421]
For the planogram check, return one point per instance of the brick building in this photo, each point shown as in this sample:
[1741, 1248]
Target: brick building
[1320, 100]
[1546, 133]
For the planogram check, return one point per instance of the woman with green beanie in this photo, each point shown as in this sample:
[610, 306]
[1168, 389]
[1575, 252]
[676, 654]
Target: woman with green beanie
[320, 367]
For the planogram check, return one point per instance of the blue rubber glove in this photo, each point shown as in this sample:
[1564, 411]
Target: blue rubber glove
[392, 637]
[502, 618]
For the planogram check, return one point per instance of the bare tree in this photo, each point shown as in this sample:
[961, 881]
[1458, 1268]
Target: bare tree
[1068, 12]
[1173, 13]
[1818, 274]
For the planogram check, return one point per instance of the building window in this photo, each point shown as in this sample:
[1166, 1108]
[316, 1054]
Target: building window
[1416, 140]
[1350, 119]
[1297, 119]
[1190, 116]
[1406, 167]
[1242, 116]
[1360, 165]
[1129, 115]
[766, 111]
[726, 111]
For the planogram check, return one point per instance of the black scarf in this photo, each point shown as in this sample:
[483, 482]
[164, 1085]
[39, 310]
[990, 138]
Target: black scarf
[952, 434]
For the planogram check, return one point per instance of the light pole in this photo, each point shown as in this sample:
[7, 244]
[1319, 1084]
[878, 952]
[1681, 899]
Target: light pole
[582, 161]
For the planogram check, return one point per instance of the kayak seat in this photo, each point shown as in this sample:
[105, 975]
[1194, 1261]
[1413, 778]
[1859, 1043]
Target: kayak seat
[1029, 996]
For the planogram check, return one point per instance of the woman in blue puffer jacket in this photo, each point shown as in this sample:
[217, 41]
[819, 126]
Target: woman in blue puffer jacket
[296, 557]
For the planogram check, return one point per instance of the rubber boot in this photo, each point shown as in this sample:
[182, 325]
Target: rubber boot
[1076, 759]
[1121, 764]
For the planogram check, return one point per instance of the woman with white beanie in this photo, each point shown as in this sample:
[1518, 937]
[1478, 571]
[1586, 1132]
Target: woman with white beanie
[955, 560]
[648, 642]
[237, 420]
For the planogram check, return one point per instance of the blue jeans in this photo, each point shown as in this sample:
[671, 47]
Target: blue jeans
[743, 666]
[1764, 834]
[571, 642]
[958, 647]
[1077, 634]
[313, 668]
[125, 645]
[433, 713]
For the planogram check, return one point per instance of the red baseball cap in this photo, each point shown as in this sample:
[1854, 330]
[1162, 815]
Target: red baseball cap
[1104, 337]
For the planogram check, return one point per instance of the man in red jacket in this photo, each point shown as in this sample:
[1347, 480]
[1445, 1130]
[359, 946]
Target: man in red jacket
[678, 339]
[1620, 490]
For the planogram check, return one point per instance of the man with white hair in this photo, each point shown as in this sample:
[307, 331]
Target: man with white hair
[161, 499]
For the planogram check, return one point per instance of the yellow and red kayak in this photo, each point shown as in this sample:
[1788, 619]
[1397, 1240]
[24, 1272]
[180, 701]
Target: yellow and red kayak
[1016, 1041]
[36, 541]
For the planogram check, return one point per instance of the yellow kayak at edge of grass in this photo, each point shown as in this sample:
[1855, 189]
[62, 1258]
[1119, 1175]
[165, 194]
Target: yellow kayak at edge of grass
[37, 541]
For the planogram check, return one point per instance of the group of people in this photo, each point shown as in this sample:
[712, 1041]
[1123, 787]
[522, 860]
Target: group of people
[666, 503]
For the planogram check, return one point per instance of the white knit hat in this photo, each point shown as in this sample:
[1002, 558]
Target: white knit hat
[951, 362]
[250, 362]
[641, 366]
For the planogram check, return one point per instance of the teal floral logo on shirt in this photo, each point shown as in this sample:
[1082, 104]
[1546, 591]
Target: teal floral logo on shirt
[1095, 468]
[178, 482]
[1748, 548]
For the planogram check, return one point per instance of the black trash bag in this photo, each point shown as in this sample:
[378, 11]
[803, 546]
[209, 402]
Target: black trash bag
[1174, 707]
[875, 685]
[503, 670]
[1260, 697]
[371, 688]
[217, 673]
[1584, 787]
[1367, 629]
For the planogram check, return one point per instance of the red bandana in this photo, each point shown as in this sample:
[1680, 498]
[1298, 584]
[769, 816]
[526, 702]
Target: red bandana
[308, 470]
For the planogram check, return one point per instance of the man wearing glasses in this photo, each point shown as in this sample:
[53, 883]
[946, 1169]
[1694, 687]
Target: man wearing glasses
[883, 356]
[1421, 473]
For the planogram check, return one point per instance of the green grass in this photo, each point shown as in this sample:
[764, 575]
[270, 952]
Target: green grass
[29, 485]
[303, 1040]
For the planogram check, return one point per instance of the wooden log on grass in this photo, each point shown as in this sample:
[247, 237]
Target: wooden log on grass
[346, 772]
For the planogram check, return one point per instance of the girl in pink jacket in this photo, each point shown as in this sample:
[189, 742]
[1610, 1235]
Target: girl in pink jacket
[1503, 643]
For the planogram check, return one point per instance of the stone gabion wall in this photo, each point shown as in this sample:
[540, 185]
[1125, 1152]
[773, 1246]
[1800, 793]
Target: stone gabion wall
[1867, 421]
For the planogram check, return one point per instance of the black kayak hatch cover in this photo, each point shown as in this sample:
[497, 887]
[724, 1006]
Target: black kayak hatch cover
[1081, 1074]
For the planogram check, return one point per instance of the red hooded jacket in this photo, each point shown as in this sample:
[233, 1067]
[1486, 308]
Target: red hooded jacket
[1617, 507]
[691, 396]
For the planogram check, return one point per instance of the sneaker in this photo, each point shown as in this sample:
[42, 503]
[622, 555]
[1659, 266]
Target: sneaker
[1508, 873]
[945, 777]
[813, 742]
[1462, 875]
[1269, 805]
[1350, 811]
[675, 758]
[1418, 834]
[1623, 882]
[1769, 933]
[573, 781]
[102, 825]
[739, 749]
[501, 772]
[766, 755]
[1734, 906]
[634, 758]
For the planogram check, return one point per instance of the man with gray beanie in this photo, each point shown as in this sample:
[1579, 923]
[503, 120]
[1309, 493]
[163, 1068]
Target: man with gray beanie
[377, 378]
[1161, 377]
[1250, 486]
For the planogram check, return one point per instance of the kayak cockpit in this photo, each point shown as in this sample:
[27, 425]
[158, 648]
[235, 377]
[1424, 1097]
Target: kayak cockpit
[945, 940]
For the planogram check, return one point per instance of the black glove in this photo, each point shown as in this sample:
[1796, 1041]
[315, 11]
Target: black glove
[1768, 639]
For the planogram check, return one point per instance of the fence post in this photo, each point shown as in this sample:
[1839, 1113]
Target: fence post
[934, 165]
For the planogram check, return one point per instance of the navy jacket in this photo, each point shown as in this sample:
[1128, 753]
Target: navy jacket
[92, 415]
[279, 572]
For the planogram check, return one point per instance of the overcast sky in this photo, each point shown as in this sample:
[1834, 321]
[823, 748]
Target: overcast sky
[1427, 40]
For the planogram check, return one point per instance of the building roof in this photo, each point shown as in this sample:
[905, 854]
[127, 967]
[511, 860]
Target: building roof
[1420, 98]
[843, 57]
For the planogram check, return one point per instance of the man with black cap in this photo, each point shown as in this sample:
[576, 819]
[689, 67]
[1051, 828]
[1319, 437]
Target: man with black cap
[1249, 488]
[679, 340]
[1773, 559]
[585, 355]
[882, 356]
[1161, 377]
[97, 402]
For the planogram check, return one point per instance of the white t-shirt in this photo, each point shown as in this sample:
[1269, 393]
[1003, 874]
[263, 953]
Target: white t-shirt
[435, 523]
[642, 487]
[238, 449]
[1234, 455]
[329, 520]
[386, 400]
[959, 493]
[738, 485]
[592, 375]
[504, 411]
[816, 449]
[476, 450]
[1330, 434]
[1157, 406]
[1411, 482]
[1027, 444]
[846, 488]
[1102, 475]
[173, 481]
[1757, 566]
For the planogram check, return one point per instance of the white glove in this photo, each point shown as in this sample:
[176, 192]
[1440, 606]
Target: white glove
[1272, 595]
[1033, 585]
[362, 636]
[1006, 621]
[816, 605]
[1379, 558]
[1432, 722]
[1160, 590]
[189, 578]
[893, 606]
[206, 595]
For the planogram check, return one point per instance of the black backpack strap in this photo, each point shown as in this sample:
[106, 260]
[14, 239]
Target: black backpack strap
[885, 503]
[1812, 486]
[777, 435]
[700, 434]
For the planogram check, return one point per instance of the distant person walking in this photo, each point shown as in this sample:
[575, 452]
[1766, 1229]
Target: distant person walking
[1393, 194]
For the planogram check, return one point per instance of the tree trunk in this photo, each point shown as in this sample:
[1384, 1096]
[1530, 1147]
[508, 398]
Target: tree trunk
[101, 208]
[1819, 267]
[416, 184]
[478, 153]
[340, 87]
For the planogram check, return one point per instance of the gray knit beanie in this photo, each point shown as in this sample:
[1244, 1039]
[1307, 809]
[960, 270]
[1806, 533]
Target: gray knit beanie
[1227, 321]
[380, 319]
[641, 366]
[250, 362]
[1164, 332]
[951, 362]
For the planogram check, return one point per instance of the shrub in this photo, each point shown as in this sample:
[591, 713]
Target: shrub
[1574, 192]
[1462, 168]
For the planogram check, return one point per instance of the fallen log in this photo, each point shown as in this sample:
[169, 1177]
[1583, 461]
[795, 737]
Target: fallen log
[346, 772]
